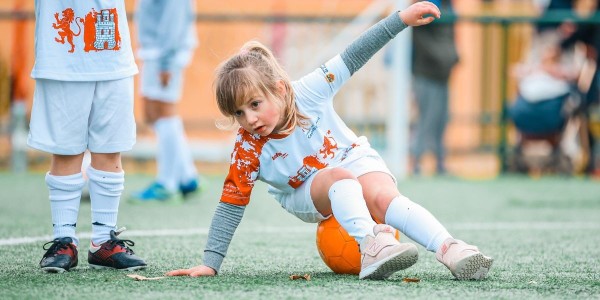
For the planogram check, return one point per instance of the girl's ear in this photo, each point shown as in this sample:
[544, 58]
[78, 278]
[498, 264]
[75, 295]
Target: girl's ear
[281, 90]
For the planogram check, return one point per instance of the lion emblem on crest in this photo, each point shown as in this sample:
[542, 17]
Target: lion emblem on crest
[63, 25]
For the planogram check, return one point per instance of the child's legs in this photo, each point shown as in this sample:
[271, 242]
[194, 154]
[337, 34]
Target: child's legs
[58, 125]
[63, 165]
[108, 162]
[111, 131]
[174, 159]
[65, 183]
[106, 184]
[378, 189]
[386, 204]
[337, 191]
[155, 110]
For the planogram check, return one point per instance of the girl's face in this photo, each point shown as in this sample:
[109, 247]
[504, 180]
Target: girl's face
[259, 115]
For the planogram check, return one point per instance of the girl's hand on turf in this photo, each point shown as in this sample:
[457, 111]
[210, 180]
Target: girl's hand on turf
[196, 271]
[420, 13]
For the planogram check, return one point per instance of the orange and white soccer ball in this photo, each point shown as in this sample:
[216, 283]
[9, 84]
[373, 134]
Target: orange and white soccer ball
[339, 251]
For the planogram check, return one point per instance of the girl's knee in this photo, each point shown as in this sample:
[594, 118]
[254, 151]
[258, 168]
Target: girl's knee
[380, 203]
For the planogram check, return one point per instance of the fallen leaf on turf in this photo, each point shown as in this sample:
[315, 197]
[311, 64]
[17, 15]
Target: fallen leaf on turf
[142, 278]
[406, 279]
[296, 277]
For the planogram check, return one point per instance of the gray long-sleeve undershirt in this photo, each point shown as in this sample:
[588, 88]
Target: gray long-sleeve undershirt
[367, 44]
[227, 217]
[225, 221]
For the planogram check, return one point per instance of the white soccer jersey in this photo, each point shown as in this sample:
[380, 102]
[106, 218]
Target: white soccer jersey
[286, 161]
[78, 40]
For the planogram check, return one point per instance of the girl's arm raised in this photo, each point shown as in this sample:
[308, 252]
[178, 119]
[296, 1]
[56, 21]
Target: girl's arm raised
[367, 44]
[420, 13]
[225, 221]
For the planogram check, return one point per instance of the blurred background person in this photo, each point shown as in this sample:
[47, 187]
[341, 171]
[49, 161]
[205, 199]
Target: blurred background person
[434, 56]
[553, 85]
[167, 39]
[546, 79]
[589, 35]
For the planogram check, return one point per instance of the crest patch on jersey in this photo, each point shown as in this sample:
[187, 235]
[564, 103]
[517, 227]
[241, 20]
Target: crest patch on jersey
[329, 77]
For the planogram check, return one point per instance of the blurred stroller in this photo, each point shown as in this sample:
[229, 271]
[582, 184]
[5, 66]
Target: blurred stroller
[547, 112]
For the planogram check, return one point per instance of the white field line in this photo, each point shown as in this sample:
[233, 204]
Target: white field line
[485, 226]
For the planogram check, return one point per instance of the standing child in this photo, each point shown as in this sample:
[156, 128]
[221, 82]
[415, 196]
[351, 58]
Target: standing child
[167, 38]
[83, 99]
[292, 139]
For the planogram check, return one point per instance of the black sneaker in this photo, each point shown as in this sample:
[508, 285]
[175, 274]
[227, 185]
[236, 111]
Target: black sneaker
[60, 256]
[115, 254]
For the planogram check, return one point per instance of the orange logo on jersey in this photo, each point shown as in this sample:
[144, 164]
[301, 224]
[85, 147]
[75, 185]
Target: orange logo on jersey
[330, 77]
[64, 27]
[329, 144]
[101, 29]
[310, 165]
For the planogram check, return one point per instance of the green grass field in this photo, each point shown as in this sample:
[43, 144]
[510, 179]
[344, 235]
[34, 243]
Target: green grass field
[544, 235]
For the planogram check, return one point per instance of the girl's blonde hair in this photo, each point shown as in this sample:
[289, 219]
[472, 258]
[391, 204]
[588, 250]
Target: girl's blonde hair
[255, 69]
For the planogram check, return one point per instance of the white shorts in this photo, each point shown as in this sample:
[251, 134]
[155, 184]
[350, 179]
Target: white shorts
[300, 204]
[69, 117]
[151, 87]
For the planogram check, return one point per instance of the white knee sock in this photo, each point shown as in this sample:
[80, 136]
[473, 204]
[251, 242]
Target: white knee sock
[174, 159]
[416, 222]
[105, 193]
[65, 196]
[350, 209]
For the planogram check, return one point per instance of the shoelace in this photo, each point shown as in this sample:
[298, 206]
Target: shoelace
[56, 245]
[123, 244]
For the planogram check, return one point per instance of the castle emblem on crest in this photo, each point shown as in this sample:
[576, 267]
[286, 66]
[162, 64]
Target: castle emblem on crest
[100, 29]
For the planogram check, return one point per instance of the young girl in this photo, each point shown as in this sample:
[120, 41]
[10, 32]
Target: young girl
[292, 139]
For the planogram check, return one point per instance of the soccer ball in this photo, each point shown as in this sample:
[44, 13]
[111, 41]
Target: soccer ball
[339, 251]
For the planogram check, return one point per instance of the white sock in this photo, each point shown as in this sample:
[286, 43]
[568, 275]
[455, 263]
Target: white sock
[350, 209]
[174, 159]
[105, 193]
[416, 222]
[65, 196]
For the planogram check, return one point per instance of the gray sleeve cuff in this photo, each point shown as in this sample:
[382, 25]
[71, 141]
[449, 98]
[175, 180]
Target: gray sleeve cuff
[367, 44]
[212, 260]
[225, 221]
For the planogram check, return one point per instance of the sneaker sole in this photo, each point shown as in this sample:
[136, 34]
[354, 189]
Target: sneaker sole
[99, 267]
[54, 270]
[473, 267]
[385, 268]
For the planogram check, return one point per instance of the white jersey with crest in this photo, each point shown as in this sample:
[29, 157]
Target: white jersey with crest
[285, 162]
[82, 40]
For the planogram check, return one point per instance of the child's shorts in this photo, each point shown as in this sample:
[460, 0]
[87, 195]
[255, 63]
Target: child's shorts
[300, 204]
[151, 87]
[69, 117]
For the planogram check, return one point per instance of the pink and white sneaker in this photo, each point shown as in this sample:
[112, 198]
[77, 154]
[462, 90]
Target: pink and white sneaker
[383, 255]
[463, 260]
